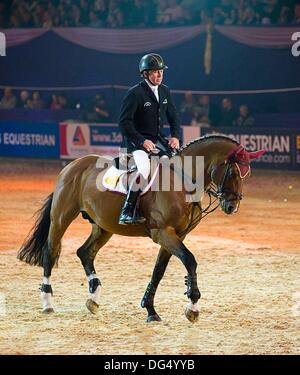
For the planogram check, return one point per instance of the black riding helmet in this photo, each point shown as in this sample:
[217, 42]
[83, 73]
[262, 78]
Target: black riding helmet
[152, 61]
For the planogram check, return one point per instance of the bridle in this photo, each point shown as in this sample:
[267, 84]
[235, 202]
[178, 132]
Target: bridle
[218, 192]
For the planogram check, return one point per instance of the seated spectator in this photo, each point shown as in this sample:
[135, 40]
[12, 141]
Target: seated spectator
[37, 102]
[205, 113]
[228, 115]
[245, 118]
[231, 18]
[94, 20]
[174, 11]
[249, 17]
[24, 97]
[84, 12]
[55, 103]
[297, 14]
[271, 11]
[188, 104]
[30, 103]
[137, 14]
[97, 110]
[8, 101]
[115, 17]
[285, 16]
[100, 7]
[63, 101]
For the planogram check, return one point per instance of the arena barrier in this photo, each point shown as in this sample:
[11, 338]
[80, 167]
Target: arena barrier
[29, 139]
[71, 140]
[282, 145]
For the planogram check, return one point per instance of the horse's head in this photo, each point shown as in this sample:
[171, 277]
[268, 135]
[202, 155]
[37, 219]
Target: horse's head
[228, 176]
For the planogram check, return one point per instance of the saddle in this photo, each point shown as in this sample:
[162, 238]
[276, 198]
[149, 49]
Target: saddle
[116, 177]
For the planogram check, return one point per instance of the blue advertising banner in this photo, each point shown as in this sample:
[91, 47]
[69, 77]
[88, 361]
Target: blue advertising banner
[73, 140]
[105, 135]
[29, 139]
[282, 146]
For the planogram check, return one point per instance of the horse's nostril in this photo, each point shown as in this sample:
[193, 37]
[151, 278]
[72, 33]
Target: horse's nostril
[230, 209]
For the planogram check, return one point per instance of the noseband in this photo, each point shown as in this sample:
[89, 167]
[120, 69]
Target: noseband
[220, 191]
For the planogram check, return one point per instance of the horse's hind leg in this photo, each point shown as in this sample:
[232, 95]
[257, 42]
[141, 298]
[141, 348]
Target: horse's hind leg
[51, 253]
[87, 253]
[64, 210]
[158, 272]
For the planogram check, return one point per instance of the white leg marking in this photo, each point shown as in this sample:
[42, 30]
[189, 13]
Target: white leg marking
[46, 280]
[46, 300]
[193, 306]
[46, 297]
[92, 276]
[96, 295]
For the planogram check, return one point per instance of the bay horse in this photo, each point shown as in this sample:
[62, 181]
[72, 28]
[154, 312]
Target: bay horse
[169, 217]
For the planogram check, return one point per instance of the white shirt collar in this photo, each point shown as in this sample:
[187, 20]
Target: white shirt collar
[152, 87]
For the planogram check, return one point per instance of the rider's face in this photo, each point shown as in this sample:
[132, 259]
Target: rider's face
[156, 76]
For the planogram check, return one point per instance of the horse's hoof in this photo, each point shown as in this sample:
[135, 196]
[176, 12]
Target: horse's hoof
[153, 318]
[191, 315]
[49, 310]
[92, 306]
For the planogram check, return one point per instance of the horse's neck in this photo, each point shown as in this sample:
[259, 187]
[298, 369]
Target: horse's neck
[213, 151]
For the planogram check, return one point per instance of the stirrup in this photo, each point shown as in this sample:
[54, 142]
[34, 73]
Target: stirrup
[131, 219]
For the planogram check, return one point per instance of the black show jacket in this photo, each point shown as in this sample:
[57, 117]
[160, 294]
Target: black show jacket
[141, 116]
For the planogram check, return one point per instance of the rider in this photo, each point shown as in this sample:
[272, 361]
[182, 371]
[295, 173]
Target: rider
[141, 122]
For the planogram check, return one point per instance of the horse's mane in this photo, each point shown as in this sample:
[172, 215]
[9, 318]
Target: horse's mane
[208, 137]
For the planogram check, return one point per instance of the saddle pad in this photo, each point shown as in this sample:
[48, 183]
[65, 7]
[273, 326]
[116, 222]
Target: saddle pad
[114, 180]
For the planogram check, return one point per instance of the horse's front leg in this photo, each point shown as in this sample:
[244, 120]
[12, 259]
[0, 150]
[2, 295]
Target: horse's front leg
[168, 239]
[193, 293]
[158, 272]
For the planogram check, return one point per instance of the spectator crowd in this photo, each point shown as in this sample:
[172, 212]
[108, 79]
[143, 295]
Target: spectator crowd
[198, 110]
[150, 13]
[95, 109]
[204, 113]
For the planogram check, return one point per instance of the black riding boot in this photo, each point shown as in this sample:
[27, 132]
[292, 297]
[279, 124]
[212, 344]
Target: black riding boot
[129, 215]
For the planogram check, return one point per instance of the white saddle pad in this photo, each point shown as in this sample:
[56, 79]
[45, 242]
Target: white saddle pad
[115, 180]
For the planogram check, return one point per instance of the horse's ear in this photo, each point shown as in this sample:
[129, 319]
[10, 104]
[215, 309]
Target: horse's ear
[256, 154]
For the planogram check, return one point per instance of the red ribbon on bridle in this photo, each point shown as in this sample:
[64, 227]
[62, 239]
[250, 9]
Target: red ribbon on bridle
[242, 158]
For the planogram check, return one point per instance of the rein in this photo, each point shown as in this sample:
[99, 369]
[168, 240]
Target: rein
[195, 219]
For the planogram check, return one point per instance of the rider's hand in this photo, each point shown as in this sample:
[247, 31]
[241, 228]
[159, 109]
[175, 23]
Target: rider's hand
[174, 142]
[148, 145]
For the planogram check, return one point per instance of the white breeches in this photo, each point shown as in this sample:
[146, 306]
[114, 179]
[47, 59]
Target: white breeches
[142, 162]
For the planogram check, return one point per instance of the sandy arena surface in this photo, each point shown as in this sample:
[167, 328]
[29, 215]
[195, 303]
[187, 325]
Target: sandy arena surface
[248, 274]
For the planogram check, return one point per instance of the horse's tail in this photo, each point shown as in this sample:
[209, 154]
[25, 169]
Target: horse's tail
[32, 250]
